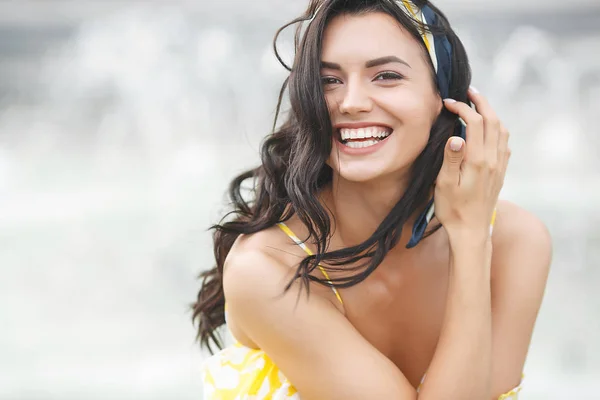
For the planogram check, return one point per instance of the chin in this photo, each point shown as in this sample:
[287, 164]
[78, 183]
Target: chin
[360, 175]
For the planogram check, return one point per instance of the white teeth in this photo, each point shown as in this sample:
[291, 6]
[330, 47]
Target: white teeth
[359, 145]
[362, 133]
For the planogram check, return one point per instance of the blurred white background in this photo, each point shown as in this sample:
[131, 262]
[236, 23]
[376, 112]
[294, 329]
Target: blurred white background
[122, 122]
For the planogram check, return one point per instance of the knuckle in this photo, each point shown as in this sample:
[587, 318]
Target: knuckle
[478, 162]
[477, 119]
[495, 122]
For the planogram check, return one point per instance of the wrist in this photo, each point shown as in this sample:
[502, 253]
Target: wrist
[470, 253]
[469, 239]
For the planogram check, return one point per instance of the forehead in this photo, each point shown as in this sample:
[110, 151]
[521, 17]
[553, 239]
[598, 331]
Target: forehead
[352, 39]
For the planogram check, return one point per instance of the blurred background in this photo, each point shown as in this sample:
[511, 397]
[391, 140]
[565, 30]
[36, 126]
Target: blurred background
[122, 122]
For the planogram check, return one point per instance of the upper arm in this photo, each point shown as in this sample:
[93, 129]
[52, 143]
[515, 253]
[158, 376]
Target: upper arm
[520, 265]
[310, 341]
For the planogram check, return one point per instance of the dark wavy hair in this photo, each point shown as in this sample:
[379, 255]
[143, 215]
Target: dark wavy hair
[293, 168]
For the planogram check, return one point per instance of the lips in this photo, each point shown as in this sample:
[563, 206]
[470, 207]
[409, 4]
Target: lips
[360, 148]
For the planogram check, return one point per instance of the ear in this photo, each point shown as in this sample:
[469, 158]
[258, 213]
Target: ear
[439, 106]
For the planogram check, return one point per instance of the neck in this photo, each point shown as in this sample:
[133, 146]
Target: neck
[358, 208]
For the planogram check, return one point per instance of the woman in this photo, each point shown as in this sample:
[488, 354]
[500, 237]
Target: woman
[369, 165]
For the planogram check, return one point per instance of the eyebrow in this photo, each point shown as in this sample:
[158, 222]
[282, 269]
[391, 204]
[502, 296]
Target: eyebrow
[369, 64]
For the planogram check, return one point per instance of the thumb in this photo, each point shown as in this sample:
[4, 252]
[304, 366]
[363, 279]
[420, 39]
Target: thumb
[453, 157]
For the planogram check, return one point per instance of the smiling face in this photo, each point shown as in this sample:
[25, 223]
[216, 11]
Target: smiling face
[376, 81]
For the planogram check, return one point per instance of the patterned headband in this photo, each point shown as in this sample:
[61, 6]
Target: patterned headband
[440, 52]
[439, 48]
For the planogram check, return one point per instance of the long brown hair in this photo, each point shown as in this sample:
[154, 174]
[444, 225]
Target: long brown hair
[293, 168]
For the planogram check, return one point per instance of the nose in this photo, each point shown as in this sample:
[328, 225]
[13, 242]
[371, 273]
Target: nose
[355, 99]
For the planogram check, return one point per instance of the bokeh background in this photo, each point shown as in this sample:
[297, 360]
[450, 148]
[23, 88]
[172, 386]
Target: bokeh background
[122, 122]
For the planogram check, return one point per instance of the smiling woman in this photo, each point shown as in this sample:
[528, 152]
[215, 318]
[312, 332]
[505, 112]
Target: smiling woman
[370, 163]
[394, 95]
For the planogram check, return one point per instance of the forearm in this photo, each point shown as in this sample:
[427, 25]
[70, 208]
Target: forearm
[461, 366]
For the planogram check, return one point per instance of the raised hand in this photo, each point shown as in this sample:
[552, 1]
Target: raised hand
[472, 173]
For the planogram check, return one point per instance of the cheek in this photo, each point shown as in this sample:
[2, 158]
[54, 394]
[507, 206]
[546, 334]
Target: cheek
[410, 109]
[414, 114]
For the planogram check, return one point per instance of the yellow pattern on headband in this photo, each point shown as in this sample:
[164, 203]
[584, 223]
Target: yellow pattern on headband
[410, 8]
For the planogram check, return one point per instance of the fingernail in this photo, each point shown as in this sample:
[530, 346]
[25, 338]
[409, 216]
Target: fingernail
[449, 100]
[456, 144]
[473, 89]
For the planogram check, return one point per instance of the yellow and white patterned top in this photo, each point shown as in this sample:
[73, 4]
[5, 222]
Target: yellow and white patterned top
[240, 373]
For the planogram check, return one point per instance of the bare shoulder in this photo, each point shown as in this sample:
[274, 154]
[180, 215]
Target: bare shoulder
[254, 263]
[271, 242]
[263, 242]
[516, 226]
[252, 277]
[522, 248]
[261, 265]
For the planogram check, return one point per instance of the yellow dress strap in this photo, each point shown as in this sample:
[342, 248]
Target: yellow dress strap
[514, 393]
[493, 220]
[292, 236]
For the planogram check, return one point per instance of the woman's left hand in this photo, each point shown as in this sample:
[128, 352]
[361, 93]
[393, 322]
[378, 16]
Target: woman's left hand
[471, 177]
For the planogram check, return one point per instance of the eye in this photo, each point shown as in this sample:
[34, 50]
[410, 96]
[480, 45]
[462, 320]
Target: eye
[388, 76]
[329, 80]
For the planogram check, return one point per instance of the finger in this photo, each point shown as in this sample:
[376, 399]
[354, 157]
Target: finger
[505, 162]
[453, 158]
[474, 122]
[491, 126]
[503, 150]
